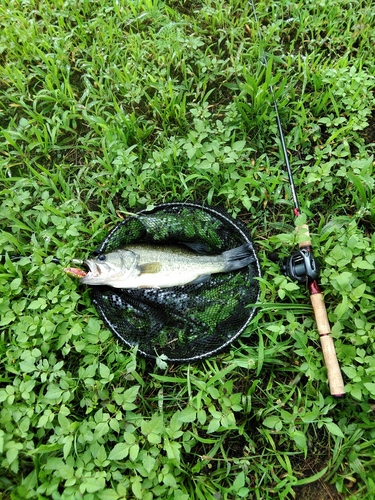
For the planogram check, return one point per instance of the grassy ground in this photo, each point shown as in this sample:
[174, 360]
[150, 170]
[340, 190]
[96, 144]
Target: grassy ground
[107, 107]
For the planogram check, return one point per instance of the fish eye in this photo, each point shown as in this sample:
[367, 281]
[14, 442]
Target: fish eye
[101, 257]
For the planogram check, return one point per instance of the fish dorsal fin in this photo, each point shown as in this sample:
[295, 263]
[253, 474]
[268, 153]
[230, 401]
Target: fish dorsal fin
[197, 247]
[150, 268]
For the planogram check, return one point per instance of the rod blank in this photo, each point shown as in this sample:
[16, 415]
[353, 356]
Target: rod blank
[335, 380]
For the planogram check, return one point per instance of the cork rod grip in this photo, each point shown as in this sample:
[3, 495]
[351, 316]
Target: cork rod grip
[335, 380]
[304, 236]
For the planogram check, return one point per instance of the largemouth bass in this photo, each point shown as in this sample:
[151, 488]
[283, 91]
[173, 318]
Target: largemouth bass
[151, 266]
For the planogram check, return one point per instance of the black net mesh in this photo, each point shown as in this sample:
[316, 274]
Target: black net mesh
[189, 322]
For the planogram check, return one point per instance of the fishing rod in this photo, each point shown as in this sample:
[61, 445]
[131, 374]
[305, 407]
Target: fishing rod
[301, 266]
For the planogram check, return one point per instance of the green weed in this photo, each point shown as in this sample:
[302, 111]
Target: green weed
[110, 107]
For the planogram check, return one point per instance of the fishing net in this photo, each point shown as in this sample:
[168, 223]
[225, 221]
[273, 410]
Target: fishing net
[188, 322]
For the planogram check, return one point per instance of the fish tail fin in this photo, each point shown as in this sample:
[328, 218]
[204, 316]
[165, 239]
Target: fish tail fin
[239, 257]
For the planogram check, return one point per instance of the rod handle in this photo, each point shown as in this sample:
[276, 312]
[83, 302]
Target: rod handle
[304, 236]
[335, 380]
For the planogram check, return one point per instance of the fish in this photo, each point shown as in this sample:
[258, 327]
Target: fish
[154, 266]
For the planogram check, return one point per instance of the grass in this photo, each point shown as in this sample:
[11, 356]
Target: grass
[108, 107]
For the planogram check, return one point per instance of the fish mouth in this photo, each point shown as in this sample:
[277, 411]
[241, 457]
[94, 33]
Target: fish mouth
[94, 268]
[95, 273]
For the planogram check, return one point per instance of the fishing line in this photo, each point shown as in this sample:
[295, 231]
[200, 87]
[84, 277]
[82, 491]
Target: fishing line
[301, 266]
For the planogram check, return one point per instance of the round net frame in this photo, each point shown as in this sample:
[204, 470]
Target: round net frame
[190, 322]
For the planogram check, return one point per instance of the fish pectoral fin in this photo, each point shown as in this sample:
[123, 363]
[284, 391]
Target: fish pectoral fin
[150, 268]
[203, 278]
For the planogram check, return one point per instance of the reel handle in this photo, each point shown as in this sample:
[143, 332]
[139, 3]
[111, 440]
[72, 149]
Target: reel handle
[335, 380]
